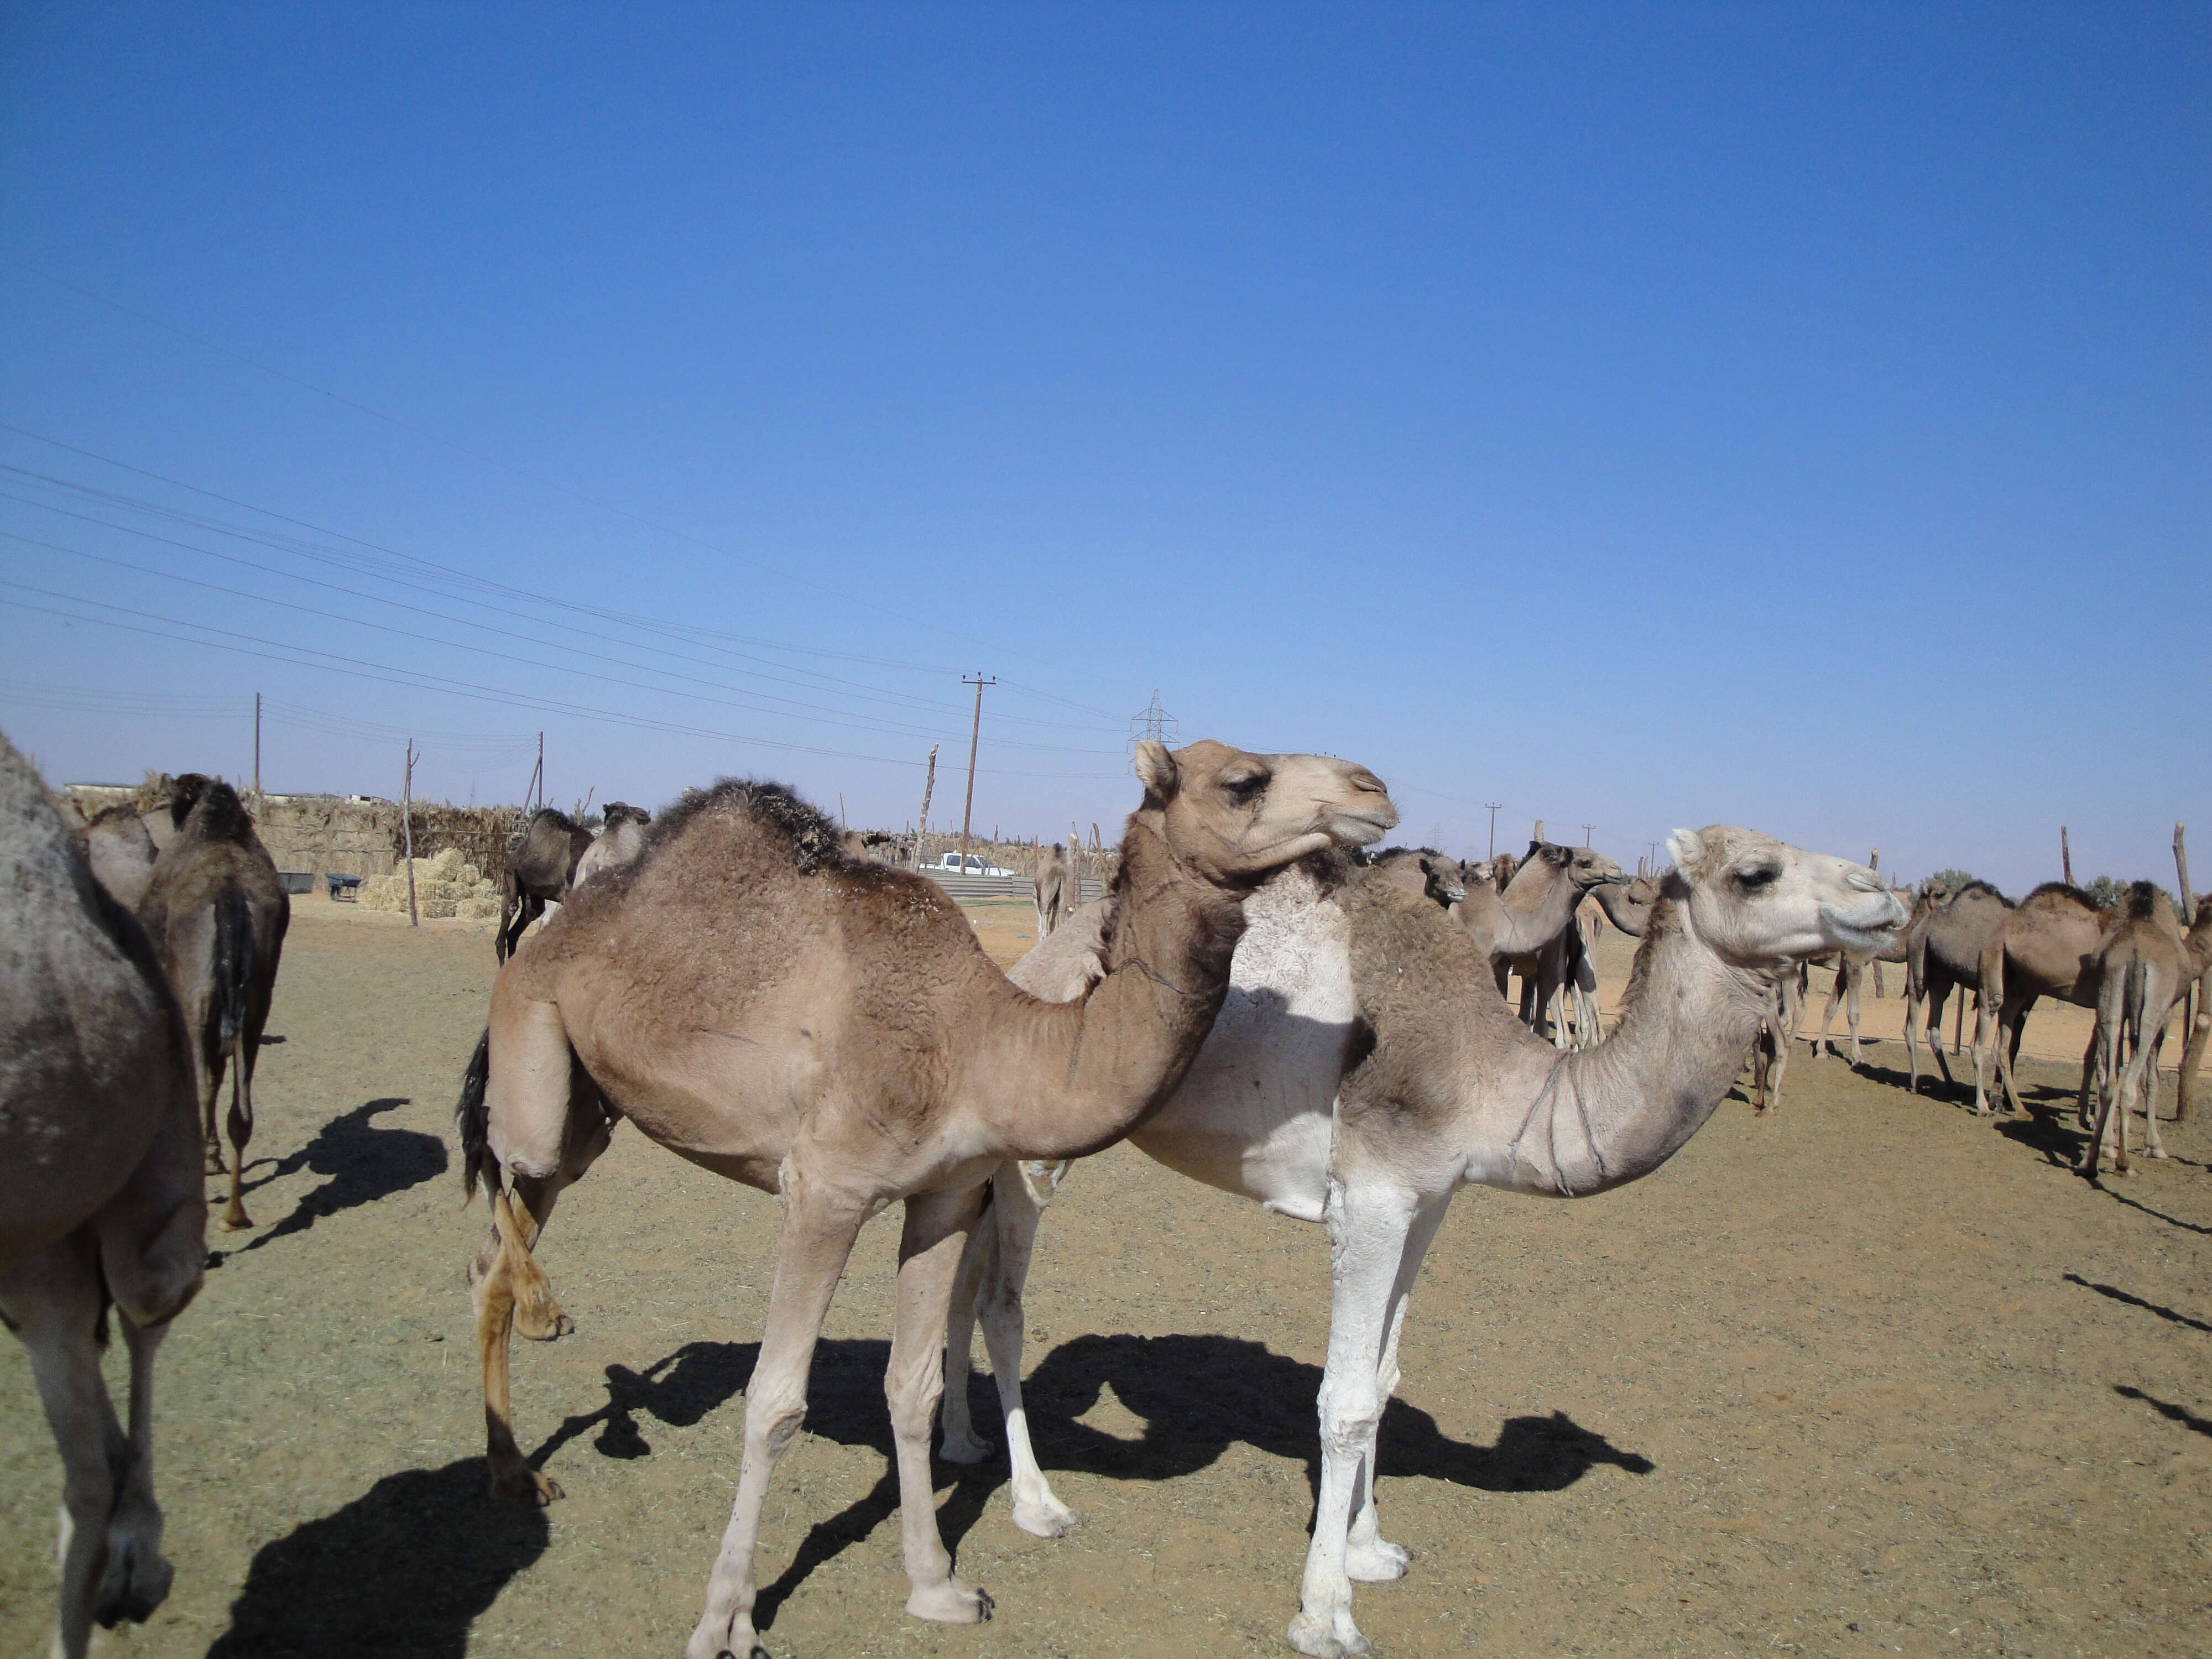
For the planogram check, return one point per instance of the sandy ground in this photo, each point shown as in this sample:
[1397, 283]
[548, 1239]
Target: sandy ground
[1867, 1376]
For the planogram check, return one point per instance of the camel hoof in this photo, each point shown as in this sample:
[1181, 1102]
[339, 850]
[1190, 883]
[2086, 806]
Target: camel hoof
[1051, 1519]
[1378, 1563]
[951, 1603]
[236, 1221]
[1328, 1637]
[132, 1587]
[525, 1486]
[964, 1448]
[540, 1327]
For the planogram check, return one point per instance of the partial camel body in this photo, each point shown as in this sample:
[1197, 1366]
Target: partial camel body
[121, 853]
[542, 856]
[1539, 940]
[2144, 966]
[1850, 976]
[830, 1032]
[1423, 871]
[1943, 953]
[1057, 890]
[621, 839]
[1359, 1073]
[216, 913]
[2046, 946]
[101, 1202]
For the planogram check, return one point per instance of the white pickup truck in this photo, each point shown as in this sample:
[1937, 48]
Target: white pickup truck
[948, 864]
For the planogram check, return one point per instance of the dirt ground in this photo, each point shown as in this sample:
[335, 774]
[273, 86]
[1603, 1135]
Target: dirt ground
[1867, 1376]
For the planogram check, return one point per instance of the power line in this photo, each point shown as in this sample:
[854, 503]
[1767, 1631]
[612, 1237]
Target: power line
[416, 679]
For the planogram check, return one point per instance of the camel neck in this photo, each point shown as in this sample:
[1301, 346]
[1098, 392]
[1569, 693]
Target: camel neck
[1070, 1079]
[1600, 1117]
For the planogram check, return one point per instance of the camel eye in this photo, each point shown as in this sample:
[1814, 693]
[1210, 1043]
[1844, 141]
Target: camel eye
[1758, 877]
[1245, 791]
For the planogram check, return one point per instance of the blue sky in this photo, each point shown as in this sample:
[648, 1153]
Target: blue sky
[1790, 416]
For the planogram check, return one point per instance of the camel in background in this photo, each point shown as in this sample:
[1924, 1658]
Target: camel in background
[1359, 1074]
[121, 852]
[2145, 965]
[101, 1201]
[621, 839]
[830, 1032]
[1943, 953]
[1057, 890]
[542, 855]
[2046, 946]
[1545, 948]
[1851, 976]
[1423, 871]
[216, 913]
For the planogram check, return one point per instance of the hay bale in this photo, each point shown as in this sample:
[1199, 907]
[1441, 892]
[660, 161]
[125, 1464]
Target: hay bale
[443, 883]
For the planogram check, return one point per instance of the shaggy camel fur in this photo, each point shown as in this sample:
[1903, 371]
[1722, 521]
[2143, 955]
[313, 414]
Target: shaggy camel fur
[2046, 946]
[542, 856]
[121, 852]
[1358, 1075]
[1057, 889]
[216, 913]
[1943, 953]
[101, 1201]
[621, 839]
[831, 1032]
[2144, 966]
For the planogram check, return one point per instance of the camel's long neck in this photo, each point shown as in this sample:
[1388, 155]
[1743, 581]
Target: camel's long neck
[1527, 915]
[1581, 1122]
[1066, 1080]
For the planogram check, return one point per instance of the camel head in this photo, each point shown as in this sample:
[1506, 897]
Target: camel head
[617, 813]
[1581, 866]
[1760, 902]
[1234, 817]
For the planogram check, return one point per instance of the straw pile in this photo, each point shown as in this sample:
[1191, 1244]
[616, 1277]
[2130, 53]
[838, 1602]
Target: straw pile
[445, 885]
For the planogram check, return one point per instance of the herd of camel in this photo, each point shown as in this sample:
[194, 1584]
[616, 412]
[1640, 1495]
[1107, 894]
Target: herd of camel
[1257, 1002]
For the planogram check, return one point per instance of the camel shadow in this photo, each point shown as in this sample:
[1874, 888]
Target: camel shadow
[1199, 1395]
[405, 1568]
[2048, 1128]
[2167, 1409]
[2114, 1292]
[363, 1163]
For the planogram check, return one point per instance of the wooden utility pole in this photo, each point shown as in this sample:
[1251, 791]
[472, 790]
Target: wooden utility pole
[1587, 829]
[929, 788]
[1493, 805]
[407, 828]
[537, 778]
[1540, 830]
[256, 751]
[2065, 857]
[975, 731]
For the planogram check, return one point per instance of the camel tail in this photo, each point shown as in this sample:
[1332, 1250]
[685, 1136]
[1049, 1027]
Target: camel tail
[473, 1117]
[233, 964]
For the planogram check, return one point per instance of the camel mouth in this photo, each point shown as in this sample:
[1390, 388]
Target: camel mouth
[1866, 930]
[1360, 828]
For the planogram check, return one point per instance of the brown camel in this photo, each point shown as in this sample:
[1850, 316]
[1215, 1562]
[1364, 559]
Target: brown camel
[2145, 965]
[1423, 871]
[101, 1202]
[542, 856]
[121, 852]
[1545, 946]
[1943, 953]
[1359, 1074]
[621, 839]
[216, 913]
[2045, 947]
[1628, 904]
[830, 1032]
[1850, 977]
[1057, 889]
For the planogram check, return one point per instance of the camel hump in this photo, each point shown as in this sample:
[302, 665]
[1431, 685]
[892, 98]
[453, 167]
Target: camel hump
[2143, 900]
[810, 838]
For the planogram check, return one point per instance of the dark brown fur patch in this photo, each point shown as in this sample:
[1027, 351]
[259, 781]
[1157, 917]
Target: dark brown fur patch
[812, 839]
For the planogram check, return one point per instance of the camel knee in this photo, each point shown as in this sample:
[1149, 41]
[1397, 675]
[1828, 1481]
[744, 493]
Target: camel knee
[771, 1420]
[153, 1282]
[1349, 1421]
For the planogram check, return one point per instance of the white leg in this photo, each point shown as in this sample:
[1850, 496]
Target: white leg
[1015, 1214]
[958, 1443]
[2153, 1146]
[1369, 1559]
[1368, 1231]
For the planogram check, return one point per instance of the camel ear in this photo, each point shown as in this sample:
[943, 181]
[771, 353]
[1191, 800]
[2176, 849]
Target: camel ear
[1156, 769]
[1687, 849]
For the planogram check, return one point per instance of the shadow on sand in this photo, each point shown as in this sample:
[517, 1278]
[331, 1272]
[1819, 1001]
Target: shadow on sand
[1198, 1396]
[404, 1569]
[363, 1163]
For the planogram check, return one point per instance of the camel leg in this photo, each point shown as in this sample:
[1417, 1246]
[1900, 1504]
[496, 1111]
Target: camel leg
[819, 1229]
[235, 1217]
[1985, 1041]
[958, 1442]
[1369, 1559]
[1822, 1044]
[1958, 1033]
[2008, 1056]
[1037, 1510]
[2153, 1145]
[1852, 1010]
[930, 1247]
[1368, 1229]
[1915, 1010]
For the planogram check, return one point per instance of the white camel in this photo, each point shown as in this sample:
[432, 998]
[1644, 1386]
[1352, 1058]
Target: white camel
[1283, 1105]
